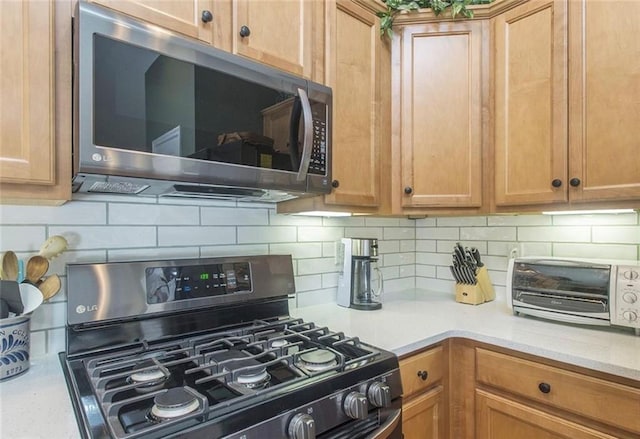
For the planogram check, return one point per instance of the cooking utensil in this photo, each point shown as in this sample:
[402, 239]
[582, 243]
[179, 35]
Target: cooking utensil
[53, 247]
[10, 292]
[10, 266]
[476, 255]
[454, 274]
[50, 286]
[31, 297]
[36, 268]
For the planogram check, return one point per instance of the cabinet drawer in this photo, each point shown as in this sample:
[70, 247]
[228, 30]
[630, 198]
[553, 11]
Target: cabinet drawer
[421, 371]
[611, 403]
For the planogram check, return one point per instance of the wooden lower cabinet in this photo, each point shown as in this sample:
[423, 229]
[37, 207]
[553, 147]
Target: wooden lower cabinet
[422, 415]
[500, 418]
[473, 390]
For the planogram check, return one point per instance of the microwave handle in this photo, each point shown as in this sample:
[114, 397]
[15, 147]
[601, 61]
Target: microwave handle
[305, 158]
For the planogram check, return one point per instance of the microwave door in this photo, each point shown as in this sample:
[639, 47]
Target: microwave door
[301, 160]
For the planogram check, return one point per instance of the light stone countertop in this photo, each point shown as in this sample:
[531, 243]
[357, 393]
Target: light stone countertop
[37, 405]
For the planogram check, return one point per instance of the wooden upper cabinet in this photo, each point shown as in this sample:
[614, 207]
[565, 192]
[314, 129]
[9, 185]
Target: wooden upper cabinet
[438, 81]
[182, 16]
[604, 90]
[530, 75]
[27, 138]
[280, 33]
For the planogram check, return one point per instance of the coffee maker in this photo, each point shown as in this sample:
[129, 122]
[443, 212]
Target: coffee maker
[359, 259]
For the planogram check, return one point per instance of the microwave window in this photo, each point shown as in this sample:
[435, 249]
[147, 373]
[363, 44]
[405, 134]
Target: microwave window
[588, 280]
[148, 102]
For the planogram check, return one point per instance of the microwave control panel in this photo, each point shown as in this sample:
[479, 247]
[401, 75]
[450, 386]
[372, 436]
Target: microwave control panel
[318, 164]
[625, 311]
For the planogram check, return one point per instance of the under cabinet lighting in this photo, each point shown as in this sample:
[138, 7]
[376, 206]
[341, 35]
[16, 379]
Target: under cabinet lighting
[588, 212]
[322, 213]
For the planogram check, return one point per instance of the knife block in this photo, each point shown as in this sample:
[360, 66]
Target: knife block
[471, 294]
[484, 281]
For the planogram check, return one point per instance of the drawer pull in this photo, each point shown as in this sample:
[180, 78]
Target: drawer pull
[544, 387]
[423, 375]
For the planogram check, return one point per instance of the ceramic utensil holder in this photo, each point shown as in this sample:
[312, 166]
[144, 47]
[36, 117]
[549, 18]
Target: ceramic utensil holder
[14, 346]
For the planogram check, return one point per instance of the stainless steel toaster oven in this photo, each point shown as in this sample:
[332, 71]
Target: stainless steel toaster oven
[576, 290]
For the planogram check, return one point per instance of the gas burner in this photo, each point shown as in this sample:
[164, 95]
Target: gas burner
[148, 377]
[318, 360]
[279, 343]
[173, 403]
[256, 380]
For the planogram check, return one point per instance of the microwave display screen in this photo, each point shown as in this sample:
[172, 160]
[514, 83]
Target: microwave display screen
[588, 281]
[170, 284]
[148, 102]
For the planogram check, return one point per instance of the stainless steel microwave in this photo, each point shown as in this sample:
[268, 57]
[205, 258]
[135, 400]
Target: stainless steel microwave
[604, 293]
[160, 114]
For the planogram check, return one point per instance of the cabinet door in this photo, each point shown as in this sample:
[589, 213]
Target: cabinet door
[278, 32]
[423, 416]
[604, 87]
[354, 74]
[531, 104]
[440, 115]
[499, 418]
[183, 16]
[27, 131]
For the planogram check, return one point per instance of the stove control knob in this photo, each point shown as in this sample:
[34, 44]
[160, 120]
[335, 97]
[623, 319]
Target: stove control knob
[356, 406]
[302, 426]
[379, 394]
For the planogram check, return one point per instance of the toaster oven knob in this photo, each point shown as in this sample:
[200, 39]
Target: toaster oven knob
[379, 394]
[302, 426]
[356, 406]
[630, 316]
[631, 275]
[630, 298]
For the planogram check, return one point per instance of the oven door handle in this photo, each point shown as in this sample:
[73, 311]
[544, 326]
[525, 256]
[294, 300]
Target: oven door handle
[388, 426]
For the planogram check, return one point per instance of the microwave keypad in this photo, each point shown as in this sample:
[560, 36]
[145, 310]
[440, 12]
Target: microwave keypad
[318, 164]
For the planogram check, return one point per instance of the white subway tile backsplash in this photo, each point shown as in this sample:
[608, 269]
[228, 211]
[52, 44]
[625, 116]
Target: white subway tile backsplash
[229, 216]
[399, 233]
[104, 198]
[438, 233]
[195, 236]
[101, 237]
[317, 266]
[554, 234]
[258, 235]
[69, 214]
[592, 220]
[141, 254]
[363, 232]
[519, 220]
[488, 233]
[22, 238]
[465, 221]
[413, 253]
[152, 214]
[597, 251]
[320, 233]
[617, 234]
[301, 250]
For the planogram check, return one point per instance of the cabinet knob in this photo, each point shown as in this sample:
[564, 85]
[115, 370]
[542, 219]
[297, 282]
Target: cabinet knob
[574, 182]
[408, 190]
[544, 387]
[207, 16]
[556, 182]
[245, 31]
[423, 374]
[335, 183]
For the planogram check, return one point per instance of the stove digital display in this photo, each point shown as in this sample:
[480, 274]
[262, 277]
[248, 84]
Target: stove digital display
[170, 284]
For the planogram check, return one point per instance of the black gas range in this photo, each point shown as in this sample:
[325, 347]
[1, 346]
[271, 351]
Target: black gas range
[206, 348]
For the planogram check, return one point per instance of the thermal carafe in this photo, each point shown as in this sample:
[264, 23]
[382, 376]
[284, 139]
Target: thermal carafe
[355, 286]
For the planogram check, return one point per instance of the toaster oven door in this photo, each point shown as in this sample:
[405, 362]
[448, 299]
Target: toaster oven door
[562, 287]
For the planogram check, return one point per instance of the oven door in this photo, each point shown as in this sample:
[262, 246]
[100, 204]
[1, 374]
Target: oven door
[382, 424]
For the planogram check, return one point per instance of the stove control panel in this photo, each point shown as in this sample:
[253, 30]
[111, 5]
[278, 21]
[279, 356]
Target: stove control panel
[365, 405]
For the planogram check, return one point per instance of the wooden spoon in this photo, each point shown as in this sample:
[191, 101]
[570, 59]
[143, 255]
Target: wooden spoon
[50, 286]
[36, 268]
[53, 247]
[10, 266]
